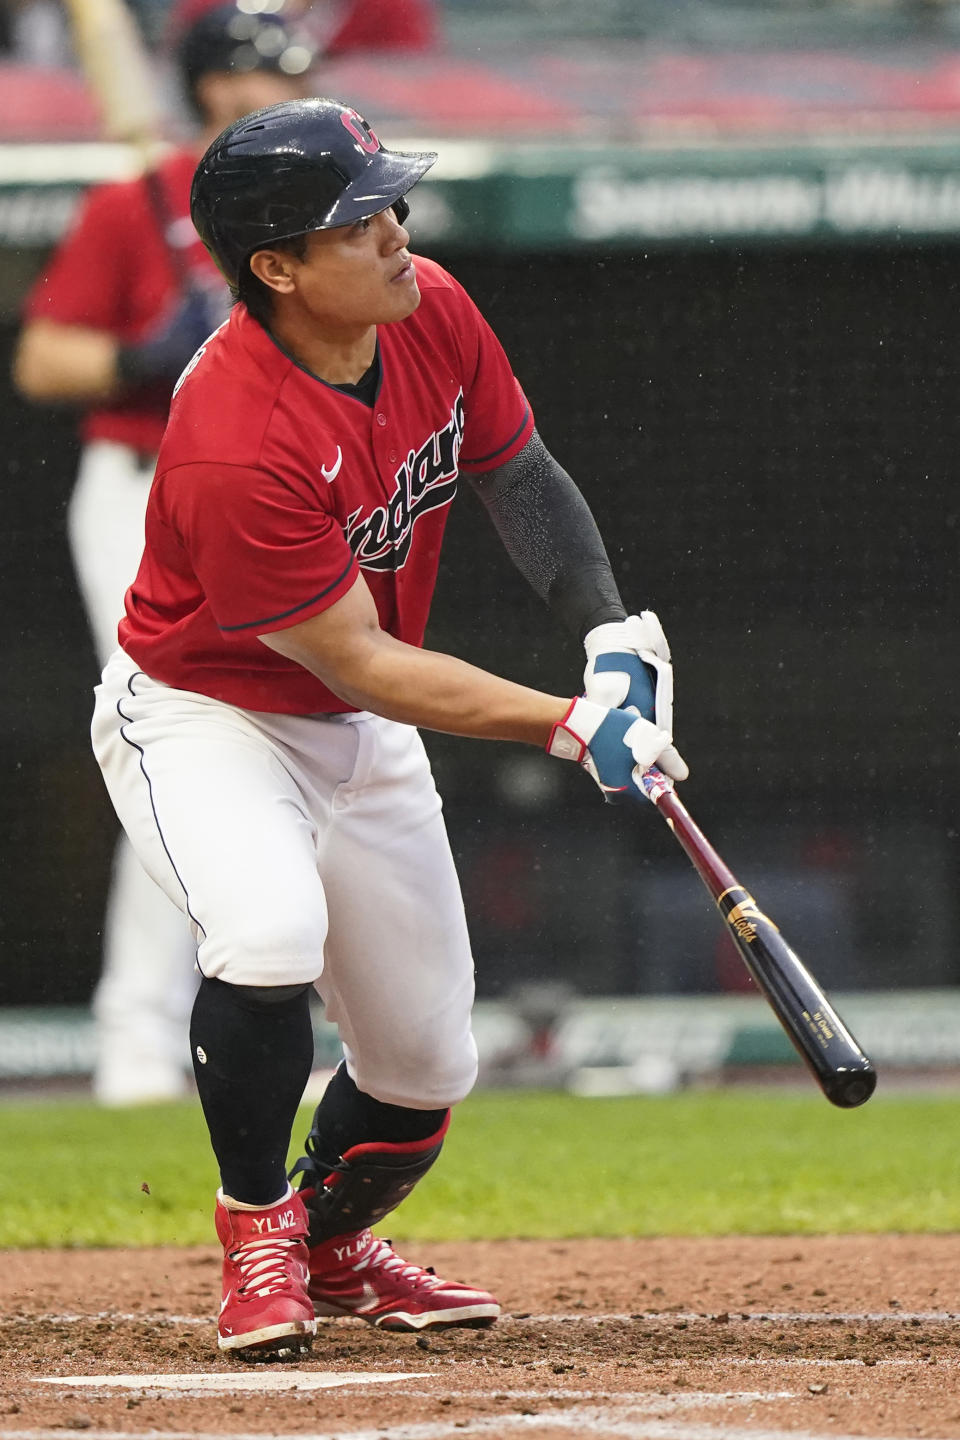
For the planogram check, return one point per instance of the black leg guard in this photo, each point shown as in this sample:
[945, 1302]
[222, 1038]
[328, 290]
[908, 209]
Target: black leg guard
[350, 1189]
[365, 1185]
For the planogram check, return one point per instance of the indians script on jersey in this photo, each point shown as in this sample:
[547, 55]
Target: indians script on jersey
[380, 540]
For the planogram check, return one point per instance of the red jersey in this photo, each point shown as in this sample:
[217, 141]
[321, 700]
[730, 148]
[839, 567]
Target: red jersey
[274, 489]
[114, 271]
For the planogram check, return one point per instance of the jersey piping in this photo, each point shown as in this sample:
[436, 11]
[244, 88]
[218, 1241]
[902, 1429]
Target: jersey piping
[285, 614]
[483, 459]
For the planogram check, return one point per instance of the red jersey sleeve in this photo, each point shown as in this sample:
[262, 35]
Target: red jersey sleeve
[264, 556]
[498, 420]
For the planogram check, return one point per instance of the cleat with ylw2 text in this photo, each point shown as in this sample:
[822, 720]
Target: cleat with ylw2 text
[362, 1275]
[265, 1312]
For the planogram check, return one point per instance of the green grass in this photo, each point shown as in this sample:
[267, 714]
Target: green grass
[522, 1164]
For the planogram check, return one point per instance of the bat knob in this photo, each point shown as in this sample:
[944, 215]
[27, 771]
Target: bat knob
[850, 1088]
[652, 782]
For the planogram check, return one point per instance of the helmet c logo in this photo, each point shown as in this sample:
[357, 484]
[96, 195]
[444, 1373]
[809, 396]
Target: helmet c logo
[360, 131]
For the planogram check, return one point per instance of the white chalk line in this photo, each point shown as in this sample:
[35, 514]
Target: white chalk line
[734, 1317]
[665, 1317]
[770, 1360]
[583, 1420]
[651, 1401]
[634, 1416]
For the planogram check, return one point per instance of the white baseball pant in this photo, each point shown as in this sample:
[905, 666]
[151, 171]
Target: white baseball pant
[148, 976]
[304, 849]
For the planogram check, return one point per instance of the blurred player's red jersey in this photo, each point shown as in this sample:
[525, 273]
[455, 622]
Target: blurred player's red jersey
[98, 278]
[273, 487]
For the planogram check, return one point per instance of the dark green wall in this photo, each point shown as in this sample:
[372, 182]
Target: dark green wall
[769, 442]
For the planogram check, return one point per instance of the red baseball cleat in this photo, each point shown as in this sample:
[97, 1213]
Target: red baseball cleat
[265, 1308]
[362, 1275]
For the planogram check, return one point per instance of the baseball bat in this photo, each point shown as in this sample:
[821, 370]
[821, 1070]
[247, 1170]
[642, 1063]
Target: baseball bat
[841, 1069]
[118, 70]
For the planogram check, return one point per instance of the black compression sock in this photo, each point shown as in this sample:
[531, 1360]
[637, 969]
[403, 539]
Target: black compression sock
[346, 1117]
[252, 1059]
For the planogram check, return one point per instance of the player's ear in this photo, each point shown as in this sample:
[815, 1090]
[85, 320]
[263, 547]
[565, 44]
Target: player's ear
[274, 268]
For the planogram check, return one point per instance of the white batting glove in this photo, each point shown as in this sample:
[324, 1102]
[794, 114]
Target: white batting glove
[613, 746]
[620, 657]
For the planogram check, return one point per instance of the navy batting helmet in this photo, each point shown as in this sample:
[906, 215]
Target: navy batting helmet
[237, 38]
[290, 168]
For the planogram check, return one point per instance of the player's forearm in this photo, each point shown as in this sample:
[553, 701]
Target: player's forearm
[431, 690]
[65, 363]
[551, 536]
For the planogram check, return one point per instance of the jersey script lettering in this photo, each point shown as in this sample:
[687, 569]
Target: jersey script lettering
[426, 480]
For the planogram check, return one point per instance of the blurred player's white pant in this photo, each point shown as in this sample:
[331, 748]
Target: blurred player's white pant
[304, 848]
[148, 976]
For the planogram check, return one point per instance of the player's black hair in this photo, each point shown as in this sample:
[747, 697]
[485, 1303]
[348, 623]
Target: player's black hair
[252, 292]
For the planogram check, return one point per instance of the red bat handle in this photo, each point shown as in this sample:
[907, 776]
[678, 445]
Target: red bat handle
[717, 877]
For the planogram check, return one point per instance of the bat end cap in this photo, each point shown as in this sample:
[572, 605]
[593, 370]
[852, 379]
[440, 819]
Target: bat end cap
[850, 1088]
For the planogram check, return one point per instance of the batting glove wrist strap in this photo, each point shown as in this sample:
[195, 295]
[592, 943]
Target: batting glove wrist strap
[567, 741]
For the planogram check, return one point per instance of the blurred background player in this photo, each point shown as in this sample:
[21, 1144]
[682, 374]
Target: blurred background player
[338, 27]
[38, 31]
[108, 326]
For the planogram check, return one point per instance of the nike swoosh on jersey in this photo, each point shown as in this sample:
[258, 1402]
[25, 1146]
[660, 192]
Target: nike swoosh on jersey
[331, 474]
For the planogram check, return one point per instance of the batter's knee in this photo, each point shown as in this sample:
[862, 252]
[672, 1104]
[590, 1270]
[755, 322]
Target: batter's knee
[419, 1077]
[282, 953]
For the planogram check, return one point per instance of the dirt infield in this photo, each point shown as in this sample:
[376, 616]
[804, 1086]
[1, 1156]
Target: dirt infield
[666, 1339]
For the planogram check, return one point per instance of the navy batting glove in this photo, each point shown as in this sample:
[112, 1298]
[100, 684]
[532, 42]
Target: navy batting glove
[641, 693]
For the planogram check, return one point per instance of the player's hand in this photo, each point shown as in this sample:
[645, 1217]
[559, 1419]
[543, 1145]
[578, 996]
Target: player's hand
[628, 668]
[164, 353]
[613, 746]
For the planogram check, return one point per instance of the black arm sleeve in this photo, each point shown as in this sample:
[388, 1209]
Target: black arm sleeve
[552, 538]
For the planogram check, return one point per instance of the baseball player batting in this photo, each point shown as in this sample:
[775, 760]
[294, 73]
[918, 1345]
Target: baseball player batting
[258, 728]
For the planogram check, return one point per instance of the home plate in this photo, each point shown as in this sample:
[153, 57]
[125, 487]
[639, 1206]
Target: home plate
[224, 1381]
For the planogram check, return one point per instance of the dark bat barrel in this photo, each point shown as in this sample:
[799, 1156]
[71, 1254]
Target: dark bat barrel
[843, 1072]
